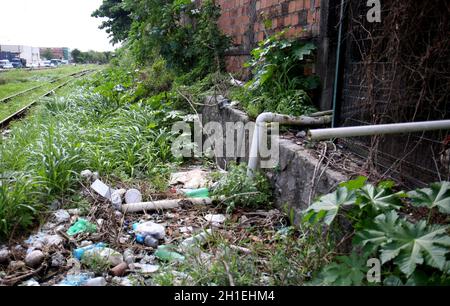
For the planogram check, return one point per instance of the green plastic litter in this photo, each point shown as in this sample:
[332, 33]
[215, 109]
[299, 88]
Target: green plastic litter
[165, 253]
[197, 193]
[82, 226]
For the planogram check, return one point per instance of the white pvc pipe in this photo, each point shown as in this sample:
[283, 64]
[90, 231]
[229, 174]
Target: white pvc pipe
[382, 129]
[163, 204]
[283, 119]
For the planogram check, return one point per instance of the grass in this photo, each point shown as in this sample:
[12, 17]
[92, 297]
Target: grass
[14, 81]
[83, 127]
[286, 257]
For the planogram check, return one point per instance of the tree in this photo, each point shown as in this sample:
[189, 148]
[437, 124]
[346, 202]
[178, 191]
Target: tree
[47, 54]
[77, 56]
[119, 20]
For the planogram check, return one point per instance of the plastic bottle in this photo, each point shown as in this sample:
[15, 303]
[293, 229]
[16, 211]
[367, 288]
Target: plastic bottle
[165, 253]
[78, 253]
[196, 193]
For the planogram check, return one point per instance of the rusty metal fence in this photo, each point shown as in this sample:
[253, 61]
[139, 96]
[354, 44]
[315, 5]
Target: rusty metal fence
[398, 70]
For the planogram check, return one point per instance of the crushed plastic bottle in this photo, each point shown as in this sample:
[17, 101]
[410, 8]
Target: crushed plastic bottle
[99, 250]
[196, 240]
[79, 253]
[165, 253]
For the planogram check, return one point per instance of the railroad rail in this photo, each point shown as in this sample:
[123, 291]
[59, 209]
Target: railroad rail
[39, 86]
[5, 122]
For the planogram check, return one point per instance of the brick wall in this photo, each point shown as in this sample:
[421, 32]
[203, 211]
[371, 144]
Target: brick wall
[245, 20]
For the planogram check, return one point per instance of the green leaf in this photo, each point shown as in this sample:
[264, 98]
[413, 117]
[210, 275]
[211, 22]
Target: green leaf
[378, 234]
[381, 199]
[436, 196]
[304, 50]
[349, 270]
[355, 184]
[417, 244]
[327, 207]
[393, 281]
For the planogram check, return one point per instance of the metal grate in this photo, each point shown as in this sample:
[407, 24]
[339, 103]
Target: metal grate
[382, 83]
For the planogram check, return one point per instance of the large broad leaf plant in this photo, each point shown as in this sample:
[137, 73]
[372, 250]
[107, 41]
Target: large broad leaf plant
[411, 253]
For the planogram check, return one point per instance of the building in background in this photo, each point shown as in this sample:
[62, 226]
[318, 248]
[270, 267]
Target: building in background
[30, 54]
[55, 53]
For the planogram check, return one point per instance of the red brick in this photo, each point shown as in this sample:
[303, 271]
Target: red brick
[291, 7]
[307, 4]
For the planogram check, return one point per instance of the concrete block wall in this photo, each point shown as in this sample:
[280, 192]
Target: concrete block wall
[293, 181]
[244, 21]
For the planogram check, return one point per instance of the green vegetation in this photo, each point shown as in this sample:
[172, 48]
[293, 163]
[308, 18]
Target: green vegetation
[15, 81]
[282, 256]
[91, 57]
[412, 251]
[96, 126]
[236, 189]
[279, 82]
[186, 36]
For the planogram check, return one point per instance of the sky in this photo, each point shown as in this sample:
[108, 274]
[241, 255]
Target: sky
[52, 23]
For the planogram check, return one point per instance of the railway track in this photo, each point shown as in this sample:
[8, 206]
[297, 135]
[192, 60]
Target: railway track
[39, 86]
[5, 122]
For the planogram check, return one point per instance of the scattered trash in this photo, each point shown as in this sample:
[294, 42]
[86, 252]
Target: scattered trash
[34, 259]
[96, 282]
[113, 257]
[144, 268]
[58, 260]
[133, 196]
[151, 242]
[128, 256]
[118, 215]
[148, 228]
[186, 229]
[102, 189]
[196, 193]
[95, 176]
[30, 283]
[194, 179]
[195, 240]
[122, 281]
[116, 200]
[235, 82]
[79, 253]
[82, 226]
[86, 174]
[74, 212]
[76, 279]
[165, 253]
[100, 222]
[120, 269]
[41, 240]
[61, 216]
[215, 219]
[301, 134]
[74, 265]
[164, 204]
[240, 249]
[4, 256]
[16, 265]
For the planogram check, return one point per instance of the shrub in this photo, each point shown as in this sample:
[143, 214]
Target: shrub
[411, 252]
[236, 189]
